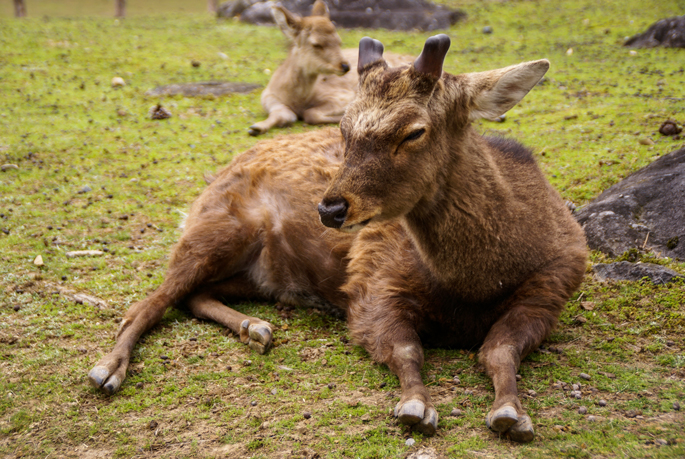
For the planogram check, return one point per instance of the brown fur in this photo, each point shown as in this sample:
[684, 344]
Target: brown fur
[317, 80]
[461, 240]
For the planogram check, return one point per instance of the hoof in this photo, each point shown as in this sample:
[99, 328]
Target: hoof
[101, 378]
[429, 424]
[254, 131]
[256, 336]
[522, 431]
[502, 419]
[411, 412]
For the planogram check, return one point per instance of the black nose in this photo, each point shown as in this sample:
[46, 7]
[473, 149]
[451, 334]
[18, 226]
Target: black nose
[333, 213]
[345, 67]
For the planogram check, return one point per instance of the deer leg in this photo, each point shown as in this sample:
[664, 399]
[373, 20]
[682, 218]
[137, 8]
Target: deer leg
[254, 332]
[532, 313]
[214, 244]
[279, 116]
[323, 115]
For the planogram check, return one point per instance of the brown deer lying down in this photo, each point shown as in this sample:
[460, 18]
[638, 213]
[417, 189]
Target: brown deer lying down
[446, 238]
[314, 83]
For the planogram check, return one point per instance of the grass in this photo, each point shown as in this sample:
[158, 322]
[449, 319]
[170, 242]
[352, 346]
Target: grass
[66, 128]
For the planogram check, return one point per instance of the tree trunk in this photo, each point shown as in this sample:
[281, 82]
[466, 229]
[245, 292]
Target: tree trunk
[120, 9]
[212, 5]
[19, 8]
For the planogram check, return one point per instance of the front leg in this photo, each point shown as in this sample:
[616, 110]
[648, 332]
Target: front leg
[323, 115]
[279, 116]
[415, 407]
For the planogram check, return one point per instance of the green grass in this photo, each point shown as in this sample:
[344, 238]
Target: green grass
[66, 128]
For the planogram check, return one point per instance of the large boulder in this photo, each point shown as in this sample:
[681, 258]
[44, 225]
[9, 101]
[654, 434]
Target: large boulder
[644, 211]
[371, 14]
[669, 33]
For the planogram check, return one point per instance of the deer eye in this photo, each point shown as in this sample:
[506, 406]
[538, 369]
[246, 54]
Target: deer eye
[414, 135]
[317, 46]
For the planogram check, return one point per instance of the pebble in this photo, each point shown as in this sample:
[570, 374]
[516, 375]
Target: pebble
[518, 377]
[592, 418]
[164, 357]
[646, 141]
[331, 385]
[307, 414]
[582, 410]
[410, 442]
[253, 403]
[118, 82]
[487, 29]
[455, 412]
[6, 167]
[585, 376]
[576, 387]
[17, 308]
[631, 413]
[660, 442]
[383, 384]
[602, 402]
[274, 391]
[229, 368]
[38, 261]
[532, 393]
[676, 406]
[139, 385]
[468, 392]
[153, 425]
[456, 380]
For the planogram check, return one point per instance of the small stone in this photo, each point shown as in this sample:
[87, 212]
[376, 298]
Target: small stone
[576, 387]
[582, 410]
[139, 385]
[602, 402]
[253, 403]
[487, 29]
[382, 385]
[331, 385]
[16, 308]
[122, 112]
[592, 418]
[195, 63]
[164, 357]
[38, 261]
[518, 377]
[455, 412]
[153, 425]
[646, 141]
[274, 391]
[247, 363]
[660, 442]
[532, 393]
[569, 52]
[670, 343]
[676, 406]
[6, 167]
[307, 415]
[229, 368]
[585, 376]
[468, 392]
[631, 413]
[410, 442]
[118, 82]
[456, 380]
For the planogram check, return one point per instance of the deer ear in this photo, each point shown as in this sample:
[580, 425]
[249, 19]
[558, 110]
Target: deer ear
[289, 23]
[370, 51]
[320, 9]
[499, 90]
[433, 55]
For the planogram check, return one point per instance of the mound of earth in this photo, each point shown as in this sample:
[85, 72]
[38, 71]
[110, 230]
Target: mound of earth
[216, 88]
[669, 33]
[370, 14]
[644, 211]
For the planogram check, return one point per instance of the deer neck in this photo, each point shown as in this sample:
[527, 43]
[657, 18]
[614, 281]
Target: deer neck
[452, 226]
[294, 80]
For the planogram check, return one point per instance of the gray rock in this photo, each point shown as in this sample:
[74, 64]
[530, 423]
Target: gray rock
[410, 442]
[216, 88]
[646, 209]
[371, 14]
[624, 270]
[669, 33]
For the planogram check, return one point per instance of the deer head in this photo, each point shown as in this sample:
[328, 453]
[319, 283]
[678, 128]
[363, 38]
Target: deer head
[315, 44]
[408, 126]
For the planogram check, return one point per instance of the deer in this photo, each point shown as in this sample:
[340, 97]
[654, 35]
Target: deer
[419, 229]
[317, 80]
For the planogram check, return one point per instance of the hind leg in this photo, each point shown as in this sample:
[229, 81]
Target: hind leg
[213, 246]
[531, 314]
[252, 331]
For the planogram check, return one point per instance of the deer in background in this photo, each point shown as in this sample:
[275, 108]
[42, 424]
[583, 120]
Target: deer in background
[315, 82]
[445, 237]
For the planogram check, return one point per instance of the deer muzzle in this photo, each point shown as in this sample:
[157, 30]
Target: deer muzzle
[334, 212]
